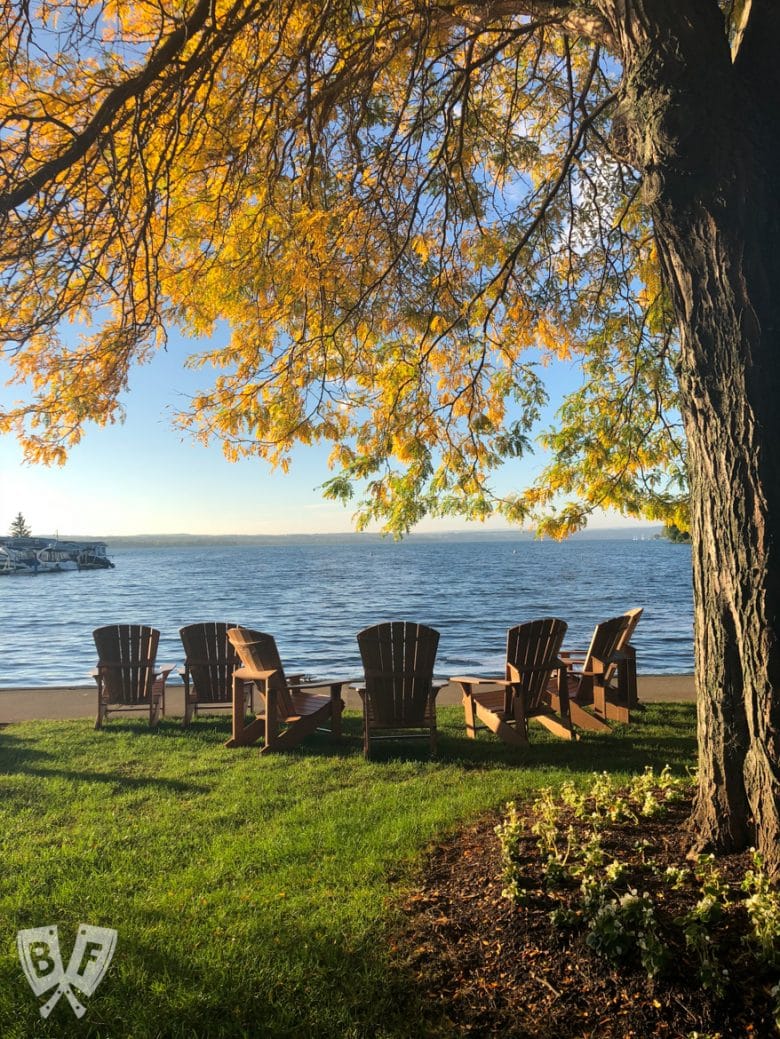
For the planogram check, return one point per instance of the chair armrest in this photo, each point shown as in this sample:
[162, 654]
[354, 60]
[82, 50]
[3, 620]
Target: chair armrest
[482, 680]
[317, 683]
[603, 664]
[551, 665]
[160, 678]
[436, 687]
[250, 675]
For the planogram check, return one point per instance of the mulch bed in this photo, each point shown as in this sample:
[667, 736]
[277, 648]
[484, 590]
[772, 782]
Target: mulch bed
[496, 969]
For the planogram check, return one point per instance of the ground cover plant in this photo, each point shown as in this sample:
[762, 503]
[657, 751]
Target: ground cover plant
[255, 896]
[578, 915]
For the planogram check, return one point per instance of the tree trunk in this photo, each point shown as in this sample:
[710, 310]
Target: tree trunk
[731, 407]
[704, 131]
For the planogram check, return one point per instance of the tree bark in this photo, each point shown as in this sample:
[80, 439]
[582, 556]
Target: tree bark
[704, 131]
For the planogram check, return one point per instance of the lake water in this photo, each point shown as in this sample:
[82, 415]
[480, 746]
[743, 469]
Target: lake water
[314, 595]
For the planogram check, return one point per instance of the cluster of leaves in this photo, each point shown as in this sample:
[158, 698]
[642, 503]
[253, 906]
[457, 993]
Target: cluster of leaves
[390, 216]
[618, 922]
[627, 924]
[675, 534]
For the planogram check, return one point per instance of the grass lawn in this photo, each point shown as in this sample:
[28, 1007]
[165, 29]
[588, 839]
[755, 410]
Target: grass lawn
[253, 897]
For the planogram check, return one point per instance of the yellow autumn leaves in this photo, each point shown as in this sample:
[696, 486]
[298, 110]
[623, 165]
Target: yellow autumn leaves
[376, 213]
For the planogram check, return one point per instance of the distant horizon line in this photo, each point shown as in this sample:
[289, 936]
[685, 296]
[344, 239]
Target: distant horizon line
[625, 531]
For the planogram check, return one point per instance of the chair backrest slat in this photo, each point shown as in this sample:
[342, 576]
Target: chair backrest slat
[535, 645]
[257, 651]
[398, 660]
[211, 659]
[608, 638]
[131, 652]
[633, 619]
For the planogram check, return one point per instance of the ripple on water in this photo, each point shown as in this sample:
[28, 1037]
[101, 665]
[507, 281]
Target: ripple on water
[315, 596]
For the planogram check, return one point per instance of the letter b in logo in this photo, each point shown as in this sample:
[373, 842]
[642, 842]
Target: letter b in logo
[41, 959]
[39, 951]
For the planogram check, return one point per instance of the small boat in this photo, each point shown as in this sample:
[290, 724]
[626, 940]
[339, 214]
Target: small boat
[47, 556]
[13, 562]
[58, 556]
[92, 556]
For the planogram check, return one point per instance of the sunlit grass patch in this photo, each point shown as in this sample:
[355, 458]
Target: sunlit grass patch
[252, 896]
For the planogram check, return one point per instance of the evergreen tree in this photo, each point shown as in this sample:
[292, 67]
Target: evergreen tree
[19, 528]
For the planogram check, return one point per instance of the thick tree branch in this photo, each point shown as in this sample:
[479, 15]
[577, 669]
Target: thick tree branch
[577, 19]
[114, 101]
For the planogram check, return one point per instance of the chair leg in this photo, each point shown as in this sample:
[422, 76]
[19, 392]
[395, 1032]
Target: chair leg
[336, 707]
[583, 720]
[599, 697]
[557, 727]
[244, 734]
[628, 677]
[271, 719]
[189, 706]
[519, 712]
[508, 733]
[101, 711]
[157, 705]
[468, 710]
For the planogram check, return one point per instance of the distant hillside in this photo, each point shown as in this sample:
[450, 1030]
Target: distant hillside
[205, 540]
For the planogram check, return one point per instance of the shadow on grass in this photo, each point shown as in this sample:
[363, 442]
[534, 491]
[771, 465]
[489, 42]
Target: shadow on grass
[18, 757]
[292, 982]
[651, 740]
[662, 734]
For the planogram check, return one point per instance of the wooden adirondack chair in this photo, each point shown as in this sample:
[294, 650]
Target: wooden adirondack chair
[532, 658]
[286, 702]
[399, 692]
[126, 674]
[604, 677]
[210, 660]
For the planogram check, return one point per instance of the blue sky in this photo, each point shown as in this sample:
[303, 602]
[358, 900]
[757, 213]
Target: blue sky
[144, 477]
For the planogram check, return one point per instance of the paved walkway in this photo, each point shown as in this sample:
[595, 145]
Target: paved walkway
[18, 705]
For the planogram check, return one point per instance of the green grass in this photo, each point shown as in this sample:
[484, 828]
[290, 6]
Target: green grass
[253, 897]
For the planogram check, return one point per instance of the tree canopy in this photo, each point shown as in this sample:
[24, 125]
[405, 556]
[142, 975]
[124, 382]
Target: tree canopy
[391, 217]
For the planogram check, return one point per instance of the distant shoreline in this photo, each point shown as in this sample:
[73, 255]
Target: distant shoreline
[120, 541]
